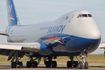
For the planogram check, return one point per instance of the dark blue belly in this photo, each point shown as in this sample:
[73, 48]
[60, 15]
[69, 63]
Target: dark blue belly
[71, 46]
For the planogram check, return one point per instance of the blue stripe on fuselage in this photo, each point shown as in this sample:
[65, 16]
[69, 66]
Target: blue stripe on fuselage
[73, 45]
[77, 44]
[42, 46]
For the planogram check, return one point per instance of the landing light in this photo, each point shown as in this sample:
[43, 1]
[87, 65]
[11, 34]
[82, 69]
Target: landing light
[31, 46]
[35, 46]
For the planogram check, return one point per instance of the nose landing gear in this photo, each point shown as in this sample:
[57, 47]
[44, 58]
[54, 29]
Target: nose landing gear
[82, 62]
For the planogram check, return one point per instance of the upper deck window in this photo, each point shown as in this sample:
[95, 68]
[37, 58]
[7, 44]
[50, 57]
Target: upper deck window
[84, 15]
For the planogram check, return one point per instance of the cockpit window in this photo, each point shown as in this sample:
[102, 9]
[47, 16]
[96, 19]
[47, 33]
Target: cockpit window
[84, 15]
[89, 15]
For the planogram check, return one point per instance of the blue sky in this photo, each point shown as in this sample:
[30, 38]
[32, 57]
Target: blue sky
[32, 11]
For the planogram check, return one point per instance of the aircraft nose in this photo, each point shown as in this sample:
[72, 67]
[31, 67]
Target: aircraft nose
[95, 33]
[92, 29]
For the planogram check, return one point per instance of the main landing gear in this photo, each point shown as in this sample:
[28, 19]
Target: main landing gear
[16, 64]
[50, 63]
[72, 63]
[33, 63]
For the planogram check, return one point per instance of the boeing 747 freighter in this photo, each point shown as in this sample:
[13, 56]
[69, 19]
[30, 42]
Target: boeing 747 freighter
[73, 34]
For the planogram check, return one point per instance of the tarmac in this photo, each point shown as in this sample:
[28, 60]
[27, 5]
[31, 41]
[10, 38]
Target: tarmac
[8, 67]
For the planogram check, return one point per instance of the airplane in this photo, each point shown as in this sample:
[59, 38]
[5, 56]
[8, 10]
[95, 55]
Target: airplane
[102, 46]
[73, 34]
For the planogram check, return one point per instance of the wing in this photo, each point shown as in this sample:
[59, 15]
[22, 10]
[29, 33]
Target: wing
[3, 33]
[102, 45]
[10, 48]
[36, 46]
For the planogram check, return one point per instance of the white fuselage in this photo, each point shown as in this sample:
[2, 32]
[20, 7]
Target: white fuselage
[77, 26]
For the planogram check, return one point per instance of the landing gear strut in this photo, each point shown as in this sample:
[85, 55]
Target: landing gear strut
[16, 64]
